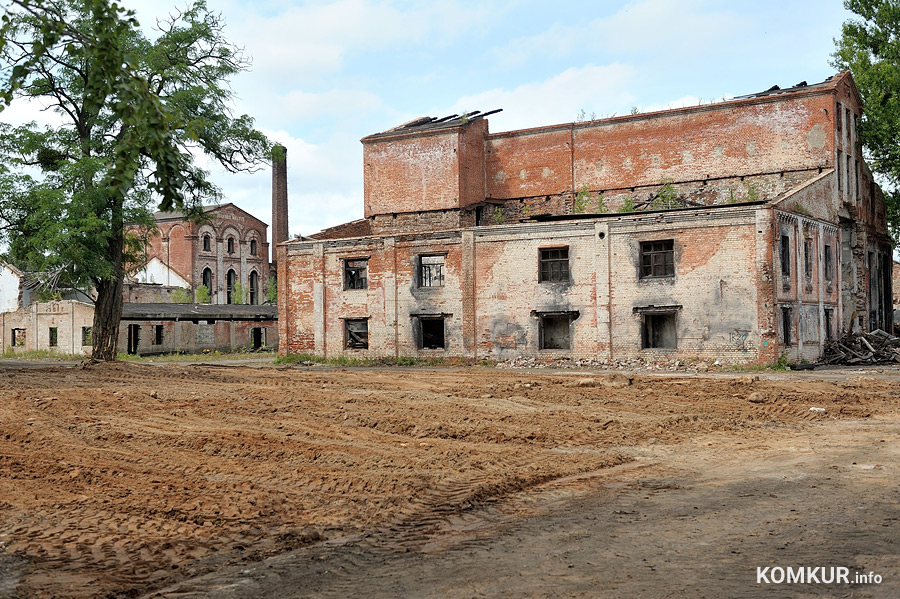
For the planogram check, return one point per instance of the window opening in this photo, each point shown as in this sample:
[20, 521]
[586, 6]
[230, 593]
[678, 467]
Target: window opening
[54, 336]
[657, 259]
[87, 336]
[556, 332]
[229, 286]
[134, 336]
[257, 337]
[829, 324]
[838, 167]
[659, 330]
[18, 337]
[431, 271]
[157, 334]
[356, 274]
[207, 243]
[785, 256]
[786, 326]
[230, 244]
[839, 117]
[554, 265]
[253, 247]
[432, 333]
[254, 288]
[207, 279]
[356, 333]
[807, 258]
[829, 263]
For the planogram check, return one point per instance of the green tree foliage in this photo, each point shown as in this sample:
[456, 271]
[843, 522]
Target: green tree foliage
[271, 291]
[202, 295]
[181, 296]
[869, 47]
[239, 295]
[132, 110]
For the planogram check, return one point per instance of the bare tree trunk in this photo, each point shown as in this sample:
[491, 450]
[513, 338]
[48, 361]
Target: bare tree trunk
[108, 306]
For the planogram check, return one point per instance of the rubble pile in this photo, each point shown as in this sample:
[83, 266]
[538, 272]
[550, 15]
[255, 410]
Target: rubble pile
[876, 347]
[631, 364]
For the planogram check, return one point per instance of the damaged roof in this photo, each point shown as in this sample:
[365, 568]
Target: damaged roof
[430, 123]
[774, 90]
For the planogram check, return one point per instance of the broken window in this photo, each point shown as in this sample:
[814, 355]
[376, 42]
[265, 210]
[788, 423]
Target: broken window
[839, 117]
[807, 258]
[829, 263]
[356, 273]
[253, 247]
[658, 330]
[207, 279]
[786, 322]
[254, 288]
[230, 280]
[207, 243]
[230, 245]
[431, 271]
[829, 324]
[87, 337]
[838, 166]
[555, 332]
[785, 256]
[18, 337]
[257, 337]
[54, 336]
[554, 265]
[657, 258]
[157, 334]
[356, 333]
[431, 332]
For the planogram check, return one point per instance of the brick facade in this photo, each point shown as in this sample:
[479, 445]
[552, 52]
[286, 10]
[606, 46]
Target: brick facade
[754, 230]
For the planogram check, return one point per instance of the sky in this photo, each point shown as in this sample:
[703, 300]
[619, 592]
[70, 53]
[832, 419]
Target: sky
[326, 74]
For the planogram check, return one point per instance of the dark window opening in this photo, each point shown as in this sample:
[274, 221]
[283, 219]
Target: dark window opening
[657, 259]
[431, 271]
[230, 277]
[134, 337]
[356, 333]
[432, 331]
[207, 243]
[838, 168]
[829, 324]
[87, 337]
[659, 330]
[807, 258]
[254, 288]
[230, 245]
[18, 337]
[556, 332]
[839, 117]
[786, 322]
[207, 279]
[785, 256]
[54, 336]
[157, 334]
[554, 265]
[356, 274]
[253, 247]
[829, 263]
[257, 337]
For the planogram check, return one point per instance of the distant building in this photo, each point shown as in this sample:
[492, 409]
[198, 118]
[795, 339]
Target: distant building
[742, 231]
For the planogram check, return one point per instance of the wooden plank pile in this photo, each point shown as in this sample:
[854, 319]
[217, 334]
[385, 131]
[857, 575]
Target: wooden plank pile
[876, 347]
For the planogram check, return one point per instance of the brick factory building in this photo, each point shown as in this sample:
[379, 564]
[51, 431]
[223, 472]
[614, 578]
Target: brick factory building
[741, 231]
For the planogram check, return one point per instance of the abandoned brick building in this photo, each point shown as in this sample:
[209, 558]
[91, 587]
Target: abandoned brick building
[741, 231]
[229, 252]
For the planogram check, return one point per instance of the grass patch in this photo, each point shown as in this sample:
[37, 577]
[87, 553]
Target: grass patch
[212, 356]
[40, 354]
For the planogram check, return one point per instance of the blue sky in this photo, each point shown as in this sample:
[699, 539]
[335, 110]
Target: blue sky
[326, 74]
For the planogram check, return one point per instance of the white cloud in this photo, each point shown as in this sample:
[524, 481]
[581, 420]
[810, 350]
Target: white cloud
[298, 104]
[602, 89]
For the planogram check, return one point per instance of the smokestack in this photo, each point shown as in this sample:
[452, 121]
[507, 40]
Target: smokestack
[279, 196]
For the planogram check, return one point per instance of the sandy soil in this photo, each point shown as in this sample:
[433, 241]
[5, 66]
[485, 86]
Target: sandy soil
[119, 480]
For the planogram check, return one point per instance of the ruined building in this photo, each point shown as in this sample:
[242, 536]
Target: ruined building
[742, 231]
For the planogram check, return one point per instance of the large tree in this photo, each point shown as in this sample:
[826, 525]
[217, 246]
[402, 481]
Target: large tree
[130, 114]
[869, 47]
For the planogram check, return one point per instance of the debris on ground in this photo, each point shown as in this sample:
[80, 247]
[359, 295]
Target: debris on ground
[876, 347]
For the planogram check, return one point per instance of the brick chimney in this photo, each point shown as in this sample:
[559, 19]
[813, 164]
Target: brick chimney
[279, 196]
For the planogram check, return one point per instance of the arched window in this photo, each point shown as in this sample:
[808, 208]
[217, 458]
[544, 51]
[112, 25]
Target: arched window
[207, 279]
[229, 286]
[254, 288]
[207, 243]
[252, 247]
[231, 245]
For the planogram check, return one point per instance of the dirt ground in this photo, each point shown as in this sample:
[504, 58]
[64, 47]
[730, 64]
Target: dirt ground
[174, 480]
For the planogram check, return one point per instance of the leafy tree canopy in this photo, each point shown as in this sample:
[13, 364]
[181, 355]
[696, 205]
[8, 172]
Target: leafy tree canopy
[131, 113]
[869, 47]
